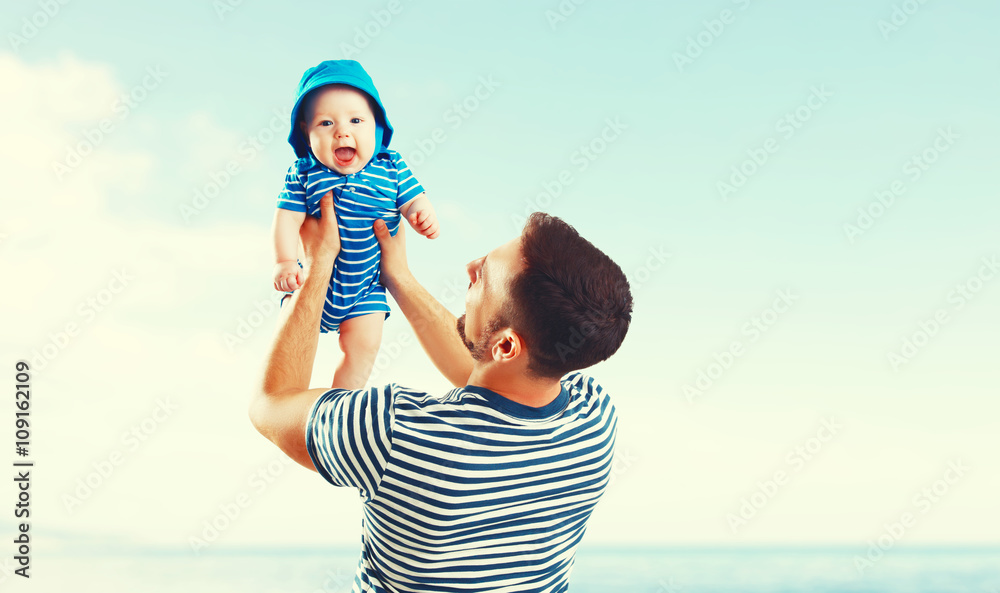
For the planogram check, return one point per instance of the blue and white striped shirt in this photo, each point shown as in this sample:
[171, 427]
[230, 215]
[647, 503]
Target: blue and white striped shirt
[470, 491]
[378, 190]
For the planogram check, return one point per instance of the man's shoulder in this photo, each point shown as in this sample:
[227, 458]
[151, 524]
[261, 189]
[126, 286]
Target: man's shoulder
[467, 402]
[403, 392]
[402, 395]
[583, 384]
[587, 396]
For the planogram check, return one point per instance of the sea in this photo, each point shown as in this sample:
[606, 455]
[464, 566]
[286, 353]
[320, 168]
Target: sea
[604, 570]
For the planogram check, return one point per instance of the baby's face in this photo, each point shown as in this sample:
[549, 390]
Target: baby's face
[340, 128]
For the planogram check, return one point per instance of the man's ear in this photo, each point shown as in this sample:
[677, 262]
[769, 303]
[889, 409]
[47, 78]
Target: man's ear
[508, 347]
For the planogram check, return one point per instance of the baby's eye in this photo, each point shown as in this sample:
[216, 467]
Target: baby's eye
[326, 123]
[356, 120]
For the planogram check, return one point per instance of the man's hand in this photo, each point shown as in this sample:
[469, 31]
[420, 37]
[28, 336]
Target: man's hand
[321, 236]
[394, 266]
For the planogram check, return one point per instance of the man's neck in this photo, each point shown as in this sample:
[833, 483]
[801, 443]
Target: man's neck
[517, 386]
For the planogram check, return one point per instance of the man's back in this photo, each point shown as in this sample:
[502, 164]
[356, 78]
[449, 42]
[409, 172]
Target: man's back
[470, 491]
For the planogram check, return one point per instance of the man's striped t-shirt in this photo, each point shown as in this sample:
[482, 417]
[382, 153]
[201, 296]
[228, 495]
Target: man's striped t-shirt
[378, 190]
[469, 491]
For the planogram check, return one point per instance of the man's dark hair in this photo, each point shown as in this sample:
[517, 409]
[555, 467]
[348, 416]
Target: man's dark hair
[571, 304]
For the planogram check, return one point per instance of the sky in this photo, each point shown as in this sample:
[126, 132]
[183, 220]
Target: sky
[802, 195]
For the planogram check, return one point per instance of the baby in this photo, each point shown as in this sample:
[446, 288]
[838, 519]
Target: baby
[340, 134]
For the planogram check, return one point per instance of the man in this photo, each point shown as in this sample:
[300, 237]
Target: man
[488, 487]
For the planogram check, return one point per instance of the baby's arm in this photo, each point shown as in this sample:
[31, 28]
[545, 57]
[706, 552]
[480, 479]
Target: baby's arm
[420, 214]
[287, 273]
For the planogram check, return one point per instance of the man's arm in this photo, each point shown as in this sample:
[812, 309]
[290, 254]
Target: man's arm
[280, 408]
[433, 324]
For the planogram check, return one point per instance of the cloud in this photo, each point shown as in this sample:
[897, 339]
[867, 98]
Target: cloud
[55, 105]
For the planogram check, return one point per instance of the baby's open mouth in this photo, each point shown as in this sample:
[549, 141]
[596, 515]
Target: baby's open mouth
[344, 154]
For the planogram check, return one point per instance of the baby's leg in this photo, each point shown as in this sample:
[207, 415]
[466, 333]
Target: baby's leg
[360, 338]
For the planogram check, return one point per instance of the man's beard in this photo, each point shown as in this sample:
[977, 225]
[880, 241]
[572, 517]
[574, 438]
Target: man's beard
[480, 351]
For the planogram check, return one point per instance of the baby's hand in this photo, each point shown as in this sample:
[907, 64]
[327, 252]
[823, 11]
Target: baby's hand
[287, 276]
[425, 222]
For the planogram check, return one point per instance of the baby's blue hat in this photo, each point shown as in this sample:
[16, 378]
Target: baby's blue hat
[347, 72]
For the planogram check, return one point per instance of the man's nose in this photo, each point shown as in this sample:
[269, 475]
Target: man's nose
[472, 268]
